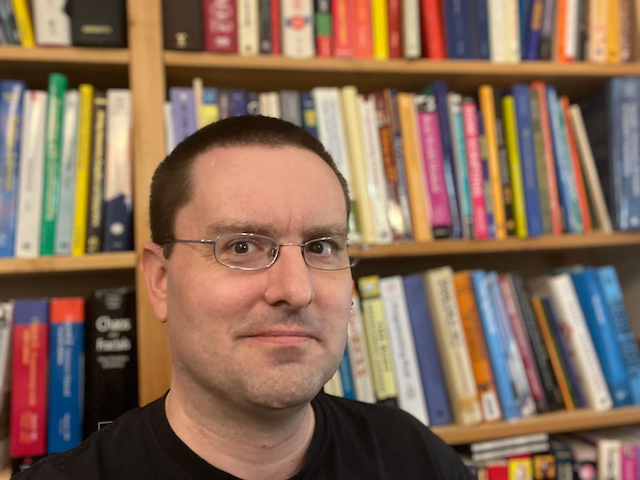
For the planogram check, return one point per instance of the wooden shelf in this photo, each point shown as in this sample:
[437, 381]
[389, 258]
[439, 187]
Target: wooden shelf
[463, 75]
[91, 56]
[475, 247]
[555, 422]
[95, 262]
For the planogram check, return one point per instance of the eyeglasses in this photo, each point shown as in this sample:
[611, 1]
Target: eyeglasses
[249, 251]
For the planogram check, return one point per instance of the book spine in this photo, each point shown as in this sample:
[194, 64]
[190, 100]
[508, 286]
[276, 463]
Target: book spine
[289, 106]
[66, 349]
[111, 361]
[52, 149]
[345, 376]
[184, 117]
[29, 209]
[380, 23]
[64, 225]
[458, 28]
[497, 39]
[6, 335]
[546, 32]
[411, 47]
[363, 39]
[488, 194]
[454, 352]
[512, 29]
[9, 22]
[28, 416]
[118, 182]
[613, 32]
[541, 165]
[297, 29]
[276, 29]
[220, 19]
[597, 45]
[481, 18]
[210, 110]
[532, 45]
[405, 361]
[265, 27]
[474, 167]
[103, 23]
[323, 28]
[343, 28]
[629, 106]
[378, 342]
[394, 22]
[629, 461]
[180, 31]
[23, 20]
[334, 385]
[626, 30]
[83, 169]
[435, 391]
[433, 36]
[503, 157]
[11, 93]
[51, 23]
[359, 354]
[309, 118]
[571, 30]
[95, 211]
[249, 26]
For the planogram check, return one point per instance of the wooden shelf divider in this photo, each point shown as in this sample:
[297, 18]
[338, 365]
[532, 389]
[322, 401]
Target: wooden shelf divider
[95, 56]
[93, 262]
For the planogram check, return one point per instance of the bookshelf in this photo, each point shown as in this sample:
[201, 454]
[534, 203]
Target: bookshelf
[147, 70]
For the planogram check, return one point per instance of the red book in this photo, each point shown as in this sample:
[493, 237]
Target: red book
[432, 30]
[550, 160]
[362, 27]
[343, 28]
[29, 378]
[395, 28]
[324, 40]
[220, 26]
[276, 32]
[577, 168]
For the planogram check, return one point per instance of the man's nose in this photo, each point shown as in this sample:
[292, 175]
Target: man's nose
[290, 279]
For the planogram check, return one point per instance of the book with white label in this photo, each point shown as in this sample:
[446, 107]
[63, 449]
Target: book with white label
[359, 354]
[298, 36]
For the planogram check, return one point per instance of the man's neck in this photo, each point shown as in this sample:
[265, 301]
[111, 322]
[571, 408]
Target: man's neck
[243, 444]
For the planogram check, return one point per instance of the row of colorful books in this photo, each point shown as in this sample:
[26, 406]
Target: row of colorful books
[65, 165]
[68, 364]
[475, 346]
[63, 23]
[500, 30]
[436, 164]
[612, 453]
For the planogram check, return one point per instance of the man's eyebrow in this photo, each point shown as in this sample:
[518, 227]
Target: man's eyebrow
[266, 229]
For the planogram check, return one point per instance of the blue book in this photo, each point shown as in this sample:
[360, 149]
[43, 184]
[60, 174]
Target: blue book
[457, 21]
[528, 163]
[237, 102]
[547, 30]
[308, 106]
[531, 50]
[253, 103]
[603, 334]
[564, 354]
[345, 376]
[11, 92]
[435, 391]
[460, 164]
[488, 191]
[612, 294]
[566, 180]
[184, 113]
[496, 347]
[66, 355]
[481, 18]
[440, 90]
[210, 108]
[524, 9]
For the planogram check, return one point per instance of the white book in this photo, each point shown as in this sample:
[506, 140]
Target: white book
[298, 36]
[496, 12]
[454, 353]
[248, 27]
[334, 385]
[6, 322]
[359, 354]
[270, 104]
[609, 457]
[410, 389]
[512, 30]
[51, 23]
[66, 199]
[577, 338]
[500, 443]
[598, 20]
[411, 35]
[169, 139]
[331, 132]
[31, 174]
[198, 88]
[589, 169]
[571, 34]
[376, 178]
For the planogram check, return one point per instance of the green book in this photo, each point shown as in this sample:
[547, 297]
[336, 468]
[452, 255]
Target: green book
[52, 153]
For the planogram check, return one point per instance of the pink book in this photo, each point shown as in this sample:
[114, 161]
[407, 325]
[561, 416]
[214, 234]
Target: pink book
[474, 165]
[431, 141]
[220, 26]
[629, 461]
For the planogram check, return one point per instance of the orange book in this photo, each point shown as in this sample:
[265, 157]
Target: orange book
[554, 357]
[613, 32]
[561, 12]
[472, 325]
[577, 167]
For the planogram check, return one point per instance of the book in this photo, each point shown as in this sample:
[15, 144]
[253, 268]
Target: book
[6, 335]
[342, 28]
[66, 355]
[541, 160]
[309, 119]
[458, 27]
[95, 211]
[432, 26]
[359, 353]
[23, 21]
[249, 27]
[184, 117]
[111, 360]
[180, 32]
[380, 23]
[219, 18]
[411, 46]
[51, 23]
[323, 28]
[363, 40]
[394, 21]
[265, 27]
[345, 376]
[98, 23]
[297, 29]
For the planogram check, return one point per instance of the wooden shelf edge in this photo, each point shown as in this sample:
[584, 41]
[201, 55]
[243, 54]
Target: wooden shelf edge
[555, 422]
[94, 262]
[93, 56]
[398, 66]
[474, 247]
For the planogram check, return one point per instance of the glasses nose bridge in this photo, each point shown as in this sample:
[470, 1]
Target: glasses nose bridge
[300, 245]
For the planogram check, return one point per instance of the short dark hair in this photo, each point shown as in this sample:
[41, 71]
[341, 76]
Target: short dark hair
[171, 186]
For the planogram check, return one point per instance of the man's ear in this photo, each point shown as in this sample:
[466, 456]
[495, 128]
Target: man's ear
[155, 274]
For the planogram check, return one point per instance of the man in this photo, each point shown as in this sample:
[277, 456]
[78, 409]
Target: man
[249, 269]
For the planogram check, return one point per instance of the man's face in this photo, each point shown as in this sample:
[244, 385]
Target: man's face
[265, 338]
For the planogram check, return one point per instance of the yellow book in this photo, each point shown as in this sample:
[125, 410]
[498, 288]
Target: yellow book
[378, 342]
[613, 32]
[414, 165]
[487, 106]
[23, 21]
[83, 160]
[380, 20]
[521, 468]
[198, 87]
[513, 150]
[355, 143]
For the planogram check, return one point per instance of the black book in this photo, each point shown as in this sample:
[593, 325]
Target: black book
[98, 23]
[183, 28]
[95, 212]
[111, 358]
[265, 27]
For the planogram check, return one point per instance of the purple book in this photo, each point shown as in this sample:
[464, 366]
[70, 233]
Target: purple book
[184, 112]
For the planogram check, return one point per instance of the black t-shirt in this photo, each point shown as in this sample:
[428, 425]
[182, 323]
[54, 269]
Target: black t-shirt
[352, 440]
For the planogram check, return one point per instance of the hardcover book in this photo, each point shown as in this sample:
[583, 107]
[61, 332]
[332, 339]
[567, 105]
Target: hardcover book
[98, 23]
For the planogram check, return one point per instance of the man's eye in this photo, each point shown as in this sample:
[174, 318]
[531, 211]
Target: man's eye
[242, 247]
[321, 247]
